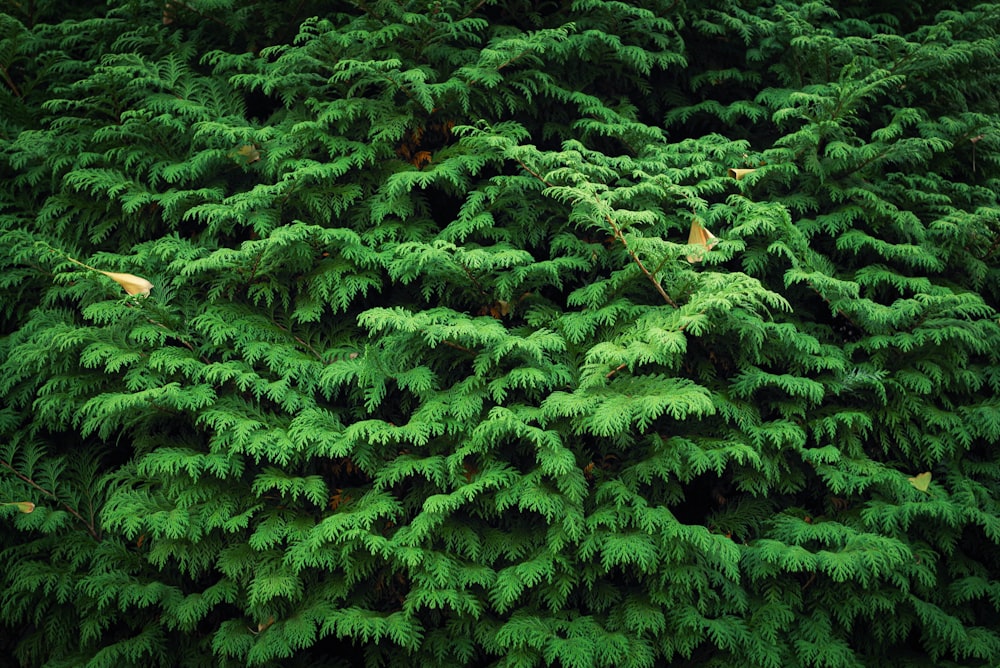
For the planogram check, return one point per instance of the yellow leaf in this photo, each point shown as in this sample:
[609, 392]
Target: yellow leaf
[922, 481]
[738, 173]
[134, 285]
[23, 506]
[700, 236]
[248, 152]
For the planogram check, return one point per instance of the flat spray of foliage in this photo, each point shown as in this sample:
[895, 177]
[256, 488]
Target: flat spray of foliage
[370, 334]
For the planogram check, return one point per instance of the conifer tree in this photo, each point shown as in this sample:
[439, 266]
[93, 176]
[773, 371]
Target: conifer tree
[499, 333]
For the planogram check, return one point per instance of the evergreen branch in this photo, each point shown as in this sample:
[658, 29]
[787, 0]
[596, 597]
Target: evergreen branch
[291, 25]
[399, 86]
[475, 281]
[91, 526]
[472, 10]
[863, 164]
[840, 312]
[308, 347]
[458, 346]
[992, 249]
[184, 342]
[635, 258]
[128, 277]
[533, 173]
[202, 14]
[301, 342]
[256, 265]
[368, 10]
[907, 58]
[92, 513]
[187, 344]
[660, 266]
[618, 235]
[163, 409]
[614, 371]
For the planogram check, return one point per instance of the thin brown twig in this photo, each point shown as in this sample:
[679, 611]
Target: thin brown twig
[309, 347]
[618, 235]
[840, 311]
[301, 342]
[10, 81]
[635, 258]
[458, 346]
[91, 529]
[255, 267]
[183, 342]
[475, 281]
[472, 11]
[992, 249]
[614, 371]
[533, 172]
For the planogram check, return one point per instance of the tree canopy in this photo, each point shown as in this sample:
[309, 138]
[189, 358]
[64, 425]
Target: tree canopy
[508, 333]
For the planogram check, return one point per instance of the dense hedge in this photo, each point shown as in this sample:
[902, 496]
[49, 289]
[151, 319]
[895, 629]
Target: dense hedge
[516, 333]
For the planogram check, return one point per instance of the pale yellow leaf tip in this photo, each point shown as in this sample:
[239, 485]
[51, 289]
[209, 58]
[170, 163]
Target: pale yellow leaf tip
[700, 236]
[922, 481]
[23, 506]
[134, 285]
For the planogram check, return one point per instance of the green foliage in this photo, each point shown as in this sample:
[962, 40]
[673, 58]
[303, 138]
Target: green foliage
[430, 374]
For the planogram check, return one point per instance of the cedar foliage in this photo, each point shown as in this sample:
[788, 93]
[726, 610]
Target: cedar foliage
[427, 376]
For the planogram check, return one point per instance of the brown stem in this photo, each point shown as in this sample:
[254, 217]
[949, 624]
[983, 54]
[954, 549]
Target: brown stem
[301, 342]
[472, 277]
[619, 236]
[635, 258]
[91, 529]
[457, 346]
[473, 10]
[992, 248]
[533, 172]
[255, 267]
[184, 343]
[863, 164]
[840, 312]
[611, 373]
[10, 82]
[309, 348]
[367, 10]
